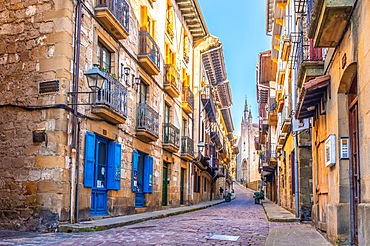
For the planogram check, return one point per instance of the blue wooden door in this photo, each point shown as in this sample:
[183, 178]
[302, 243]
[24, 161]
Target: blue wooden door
[99, 193]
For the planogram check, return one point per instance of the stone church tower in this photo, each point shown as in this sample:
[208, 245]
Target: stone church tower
[247, 159]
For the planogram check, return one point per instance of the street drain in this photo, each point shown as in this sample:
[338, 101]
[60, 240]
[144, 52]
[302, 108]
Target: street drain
[224, 237]
[141, 227]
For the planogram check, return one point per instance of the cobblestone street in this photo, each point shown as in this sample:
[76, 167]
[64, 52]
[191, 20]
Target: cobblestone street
[239, 222]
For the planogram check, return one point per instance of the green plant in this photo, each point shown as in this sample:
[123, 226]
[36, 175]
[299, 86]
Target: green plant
[259, 195]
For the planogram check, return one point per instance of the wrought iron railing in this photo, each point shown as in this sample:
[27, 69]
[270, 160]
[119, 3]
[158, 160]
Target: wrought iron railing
[188, 96]
[169, 30]
[187, 146]
[120, 10]
[272, 106]
[310, 5]
[172, 76]
[306, 51]
[287, 108]
[148, 47]
[112, 94]
[148, 119]
[171, 134]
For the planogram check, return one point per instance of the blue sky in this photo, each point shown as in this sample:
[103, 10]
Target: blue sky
[240, 25]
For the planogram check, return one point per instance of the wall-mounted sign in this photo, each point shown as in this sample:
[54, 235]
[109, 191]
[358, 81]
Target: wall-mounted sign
[299, 125]
[330, 150]
[344, 148]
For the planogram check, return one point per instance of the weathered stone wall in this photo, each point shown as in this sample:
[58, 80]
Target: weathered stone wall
[35, 46]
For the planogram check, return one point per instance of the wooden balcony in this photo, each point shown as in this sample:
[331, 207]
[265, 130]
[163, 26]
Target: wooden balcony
[147, 126]
[327, 20]
[171, 138]
[149, 55]
[187, 100]
[110, 103]
[187, 148]
[114, 15]
[172, 81]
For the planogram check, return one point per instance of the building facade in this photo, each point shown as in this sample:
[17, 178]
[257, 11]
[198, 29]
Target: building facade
[320, 48]
[100, 110]
[247, 171]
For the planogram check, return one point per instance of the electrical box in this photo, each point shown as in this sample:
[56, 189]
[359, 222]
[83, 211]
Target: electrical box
[344, 148]
[330, 150]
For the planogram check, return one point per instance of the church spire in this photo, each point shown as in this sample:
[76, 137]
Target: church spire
[246, 104]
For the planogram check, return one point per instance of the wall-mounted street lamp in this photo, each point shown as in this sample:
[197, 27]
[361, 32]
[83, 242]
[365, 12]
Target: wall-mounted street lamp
[126, 72]
[95, 78]
[201, 146]
[136, 83]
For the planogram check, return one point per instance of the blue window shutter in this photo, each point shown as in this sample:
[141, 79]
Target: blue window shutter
[114, 166]
[89, 159]
[135, 162]
[148, 174]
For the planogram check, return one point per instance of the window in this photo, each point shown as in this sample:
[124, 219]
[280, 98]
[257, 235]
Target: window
[167, 113]
[205, 184]
[184, 127]
[104, 57]
[143, 93]
[146, 22]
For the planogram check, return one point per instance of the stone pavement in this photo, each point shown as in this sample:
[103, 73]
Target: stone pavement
[239, 222]
[276, 213]
[113, 222]
[304, 234]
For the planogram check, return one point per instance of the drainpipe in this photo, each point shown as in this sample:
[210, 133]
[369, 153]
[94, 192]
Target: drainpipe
[76, 67]
[294, 106]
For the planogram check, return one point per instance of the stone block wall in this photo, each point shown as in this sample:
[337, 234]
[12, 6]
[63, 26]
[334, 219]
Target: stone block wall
[35, 46]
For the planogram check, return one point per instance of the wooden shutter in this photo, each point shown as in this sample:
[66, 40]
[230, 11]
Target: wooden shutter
[148, 174]
[89, 159]
[114, 166]
[135, 162]
[143, 17]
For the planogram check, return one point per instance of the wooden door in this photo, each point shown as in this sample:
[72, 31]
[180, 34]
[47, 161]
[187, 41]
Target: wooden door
[321, 174]
[322, 188]
[354, 159]
[164, 185]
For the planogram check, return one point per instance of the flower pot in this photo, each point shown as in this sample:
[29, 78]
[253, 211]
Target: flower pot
[257, 201]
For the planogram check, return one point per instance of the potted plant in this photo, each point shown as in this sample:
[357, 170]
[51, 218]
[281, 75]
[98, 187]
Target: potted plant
[228, 197]
[258, 196]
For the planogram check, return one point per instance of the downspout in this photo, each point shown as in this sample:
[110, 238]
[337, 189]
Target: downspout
[78, 172]
[294, 106]
[76, 67]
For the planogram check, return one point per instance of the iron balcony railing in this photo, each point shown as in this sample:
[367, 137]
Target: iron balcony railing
[169, 30]
[148, 47]
[188, 96]
[306, 51]
[120, 10]
[287, 108]
[148, 119]
[310, 6]
[172, 76]
[187, 146]
[112, 94]
[171, 134]
[272, 105]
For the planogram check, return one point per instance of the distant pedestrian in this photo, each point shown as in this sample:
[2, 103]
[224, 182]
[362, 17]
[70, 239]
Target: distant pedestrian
[221, 191]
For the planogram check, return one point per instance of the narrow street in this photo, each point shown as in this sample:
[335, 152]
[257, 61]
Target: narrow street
[239, 222]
